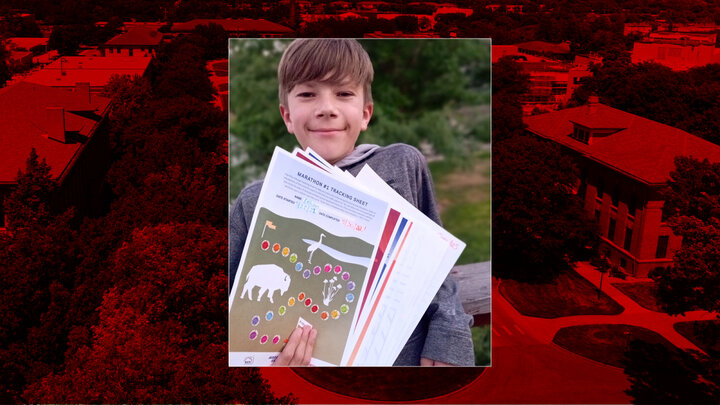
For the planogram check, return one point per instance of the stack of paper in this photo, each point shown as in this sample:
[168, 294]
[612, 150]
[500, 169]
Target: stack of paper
[347, 255]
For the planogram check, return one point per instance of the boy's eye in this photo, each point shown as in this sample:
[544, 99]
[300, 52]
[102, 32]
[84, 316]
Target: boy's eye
[305, 94]
[346, 94]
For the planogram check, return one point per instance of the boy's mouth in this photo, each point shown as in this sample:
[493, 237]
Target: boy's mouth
[323, 131]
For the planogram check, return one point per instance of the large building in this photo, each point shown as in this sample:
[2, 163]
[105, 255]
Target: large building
[139, 40]
[66, 71]
[625, 161]
[677, 50]
[65, 127]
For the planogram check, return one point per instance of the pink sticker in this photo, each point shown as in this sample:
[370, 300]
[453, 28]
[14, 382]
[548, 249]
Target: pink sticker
[263, 339]
[276, 339]
[328, 268]
[338, 269]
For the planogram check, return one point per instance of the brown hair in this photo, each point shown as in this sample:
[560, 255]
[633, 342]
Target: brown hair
[324, 60]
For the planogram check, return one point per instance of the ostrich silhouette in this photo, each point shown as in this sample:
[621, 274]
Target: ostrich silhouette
[312, 248]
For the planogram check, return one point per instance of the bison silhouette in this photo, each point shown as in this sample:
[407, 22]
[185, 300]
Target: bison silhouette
[269, 277]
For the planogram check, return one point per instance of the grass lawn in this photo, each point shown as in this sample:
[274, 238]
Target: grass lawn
[481, 341]
[390, 384]
[642, 292]
[705, 335]
[569, 294]
[605, 343]
[464, 198]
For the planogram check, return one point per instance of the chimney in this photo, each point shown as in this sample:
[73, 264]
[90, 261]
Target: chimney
[592, 104]
[55, 123]
[83, 89]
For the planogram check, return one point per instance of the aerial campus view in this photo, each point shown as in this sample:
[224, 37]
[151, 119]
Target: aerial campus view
[603, 153]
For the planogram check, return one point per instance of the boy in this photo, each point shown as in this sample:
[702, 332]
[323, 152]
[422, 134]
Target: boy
[326, 101]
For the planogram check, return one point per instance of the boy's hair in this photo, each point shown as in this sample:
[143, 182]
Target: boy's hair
[324, 60]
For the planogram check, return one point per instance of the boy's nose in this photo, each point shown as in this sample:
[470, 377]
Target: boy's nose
[326, 108]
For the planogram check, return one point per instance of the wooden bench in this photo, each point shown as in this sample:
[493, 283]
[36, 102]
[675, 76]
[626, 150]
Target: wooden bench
[474, 286]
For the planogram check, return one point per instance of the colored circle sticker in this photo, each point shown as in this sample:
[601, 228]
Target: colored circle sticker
[269, 315]
[338, 269]
[265, 245]
[346, 276]
[286, 251]
[316, 270]
[308, 302]
[276, 339]
[276, 247]
[328, 267]
[344, 308]
[301, 296]
[335, 314]
[255, 320]
[253, 335]
[306, 274]
[298, 266]
[263, 339]
[291, 301]
[351, 285]
[281, 310]
[314, 308]
[350, 297]
[293, 258]
[324, 315]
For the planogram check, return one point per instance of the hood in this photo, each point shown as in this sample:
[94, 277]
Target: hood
[360, 153]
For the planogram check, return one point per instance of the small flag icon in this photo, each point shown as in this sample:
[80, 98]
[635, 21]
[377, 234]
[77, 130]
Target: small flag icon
[268, 224]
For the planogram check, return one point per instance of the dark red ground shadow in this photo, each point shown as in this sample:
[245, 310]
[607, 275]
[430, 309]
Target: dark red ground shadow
[391, 384]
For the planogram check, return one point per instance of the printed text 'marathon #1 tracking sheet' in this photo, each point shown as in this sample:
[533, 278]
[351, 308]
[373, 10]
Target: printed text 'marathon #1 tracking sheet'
[360, 266]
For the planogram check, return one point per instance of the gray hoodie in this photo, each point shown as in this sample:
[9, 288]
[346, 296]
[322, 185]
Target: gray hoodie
[443, 333]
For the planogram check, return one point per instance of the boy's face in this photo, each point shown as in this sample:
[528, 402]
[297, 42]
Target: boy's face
[327, 117]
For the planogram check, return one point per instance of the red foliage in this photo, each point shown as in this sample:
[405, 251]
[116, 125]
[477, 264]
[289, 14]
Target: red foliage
[161, 333]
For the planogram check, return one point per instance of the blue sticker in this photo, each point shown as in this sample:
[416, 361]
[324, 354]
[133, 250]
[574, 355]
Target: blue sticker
[298, 266]
[269, 315]
[350, 297]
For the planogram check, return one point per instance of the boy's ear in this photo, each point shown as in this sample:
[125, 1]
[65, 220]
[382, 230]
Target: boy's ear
[285, 113]
[367, 114]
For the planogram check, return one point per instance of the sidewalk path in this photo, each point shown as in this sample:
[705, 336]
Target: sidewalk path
[633, 314]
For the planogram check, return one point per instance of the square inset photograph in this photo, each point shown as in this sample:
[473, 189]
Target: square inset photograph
[360, 202]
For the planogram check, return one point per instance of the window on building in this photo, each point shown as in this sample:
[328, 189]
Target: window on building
[611, 229]
[130, 51]
[600, 188]
[623, 263]
[614, 196]
[628, 239]
[662, 245]
[597, 214]
[581, 135]
[632, 205]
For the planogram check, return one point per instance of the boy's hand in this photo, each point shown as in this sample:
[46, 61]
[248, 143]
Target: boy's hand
[299, 348]
[428, 362]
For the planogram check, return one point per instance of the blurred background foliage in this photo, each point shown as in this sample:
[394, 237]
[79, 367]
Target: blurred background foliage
[433, 94]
